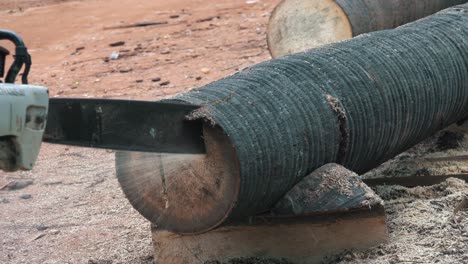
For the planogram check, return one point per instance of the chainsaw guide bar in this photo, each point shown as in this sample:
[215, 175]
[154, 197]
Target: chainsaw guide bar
[124, 125]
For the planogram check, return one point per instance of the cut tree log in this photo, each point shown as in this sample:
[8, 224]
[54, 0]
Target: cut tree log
[298, 25]
[357, 103]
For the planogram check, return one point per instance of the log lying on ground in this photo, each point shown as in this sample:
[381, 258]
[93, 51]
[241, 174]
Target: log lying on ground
[357, 103]
[297, 25]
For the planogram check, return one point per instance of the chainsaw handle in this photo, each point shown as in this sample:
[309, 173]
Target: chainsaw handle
[22, 57]
[11, 36]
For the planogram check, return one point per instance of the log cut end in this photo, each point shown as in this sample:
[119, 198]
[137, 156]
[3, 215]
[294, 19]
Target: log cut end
[298, 25]
[183, 193]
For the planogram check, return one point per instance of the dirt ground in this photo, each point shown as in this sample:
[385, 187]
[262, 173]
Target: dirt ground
[70, 209]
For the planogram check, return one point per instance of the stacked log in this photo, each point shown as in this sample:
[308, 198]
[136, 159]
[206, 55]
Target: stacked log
[297, 25]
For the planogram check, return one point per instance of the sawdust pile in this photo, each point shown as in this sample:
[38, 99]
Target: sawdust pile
[426, 224]
[422, 225]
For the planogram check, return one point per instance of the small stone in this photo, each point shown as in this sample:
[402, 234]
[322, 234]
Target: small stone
[4, 200]
[205, 70]
[139, 81]
[198, 78]
[40, 227]
[114, 56]
[17, 185]
[52, 182]
[99, 261]
[125, 70]
[54, 232]
[165, 83]
[174, 16]
[165, 51]
[25, 196]
[118, 43]
[157, 79]
[77, 51]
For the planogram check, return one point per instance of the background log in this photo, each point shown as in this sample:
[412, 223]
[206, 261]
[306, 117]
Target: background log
[297, 25]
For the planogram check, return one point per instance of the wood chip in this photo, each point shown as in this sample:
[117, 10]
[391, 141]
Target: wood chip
[139, 24]
[461, 206]
[207, 19]
[36, 237]
[118, 43]
[205, 70]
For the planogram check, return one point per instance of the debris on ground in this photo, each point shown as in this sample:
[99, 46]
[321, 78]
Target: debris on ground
[117, 44]
[463, 205]
[17, 185]
[36, 237]
[114, 55]
[139, 24]
[420, 225]
[165, 51]
[40, 226]
[251, 261]
[54, 232]
[205, 70]
[25, 196]
[449, 140]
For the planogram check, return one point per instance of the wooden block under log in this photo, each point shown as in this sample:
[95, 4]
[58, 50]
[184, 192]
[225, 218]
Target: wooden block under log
[299, 240]
[327, 212]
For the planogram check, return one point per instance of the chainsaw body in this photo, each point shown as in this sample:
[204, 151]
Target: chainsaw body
[23, 112]
[23, 109]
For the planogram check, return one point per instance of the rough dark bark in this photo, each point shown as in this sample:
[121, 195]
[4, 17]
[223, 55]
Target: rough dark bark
[372, 15]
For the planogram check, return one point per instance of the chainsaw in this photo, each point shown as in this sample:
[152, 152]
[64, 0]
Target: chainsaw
[29, 117]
